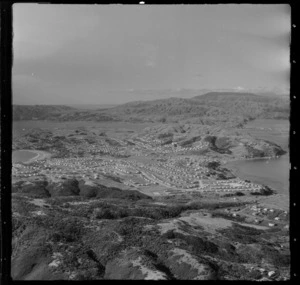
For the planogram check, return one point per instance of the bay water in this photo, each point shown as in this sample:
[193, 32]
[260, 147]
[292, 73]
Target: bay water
[22, 155]
[272, 172]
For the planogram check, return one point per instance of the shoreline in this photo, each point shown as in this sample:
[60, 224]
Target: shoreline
[39, 155]
[236, 171]
[255, 158]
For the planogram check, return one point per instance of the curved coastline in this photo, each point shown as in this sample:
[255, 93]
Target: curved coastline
[255, 158]
[39, 155]
[277, 180]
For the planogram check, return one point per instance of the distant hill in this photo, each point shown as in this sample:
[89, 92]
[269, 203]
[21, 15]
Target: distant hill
[57, 113]
[92, 106]
[164, 107]
[40, 112]
[248, 105]
[226, 96]
[233, 108]
[207, 108]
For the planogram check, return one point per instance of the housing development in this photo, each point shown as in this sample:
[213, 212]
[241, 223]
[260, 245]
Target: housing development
[150, 142]
[170, 192]
[141, 161]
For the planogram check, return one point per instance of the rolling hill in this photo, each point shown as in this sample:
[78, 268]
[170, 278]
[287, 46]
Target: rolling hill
[233, 108]
[206, 109]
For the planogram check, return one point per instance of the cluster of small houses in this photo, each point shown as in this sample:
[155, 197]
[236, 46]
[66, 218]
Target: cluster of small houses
[102, 147]
[167, 174]
[192, 176]
[155, 145]
[265, 211]
[262, 212]
[19, 170]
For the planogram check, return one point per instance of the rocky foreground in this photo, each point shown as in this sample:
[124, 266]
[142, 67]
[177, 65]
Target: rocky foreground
[74, 230]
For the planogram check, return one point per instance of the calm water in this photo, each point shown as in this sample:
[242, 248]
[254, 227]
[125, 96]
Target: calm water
[271, 172]
[276, 131]
[22, 155]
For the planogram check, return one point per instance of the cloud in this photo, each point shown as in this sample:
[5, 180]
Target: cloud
[84, 51]
[239, 88]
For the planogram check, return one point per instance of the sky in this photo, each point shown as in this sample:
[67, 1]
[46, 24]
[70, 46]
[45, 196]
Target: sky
[111, 54]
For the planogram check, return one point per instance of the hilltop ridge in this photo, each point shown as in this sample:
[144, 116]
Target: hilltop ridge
[231, 108]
